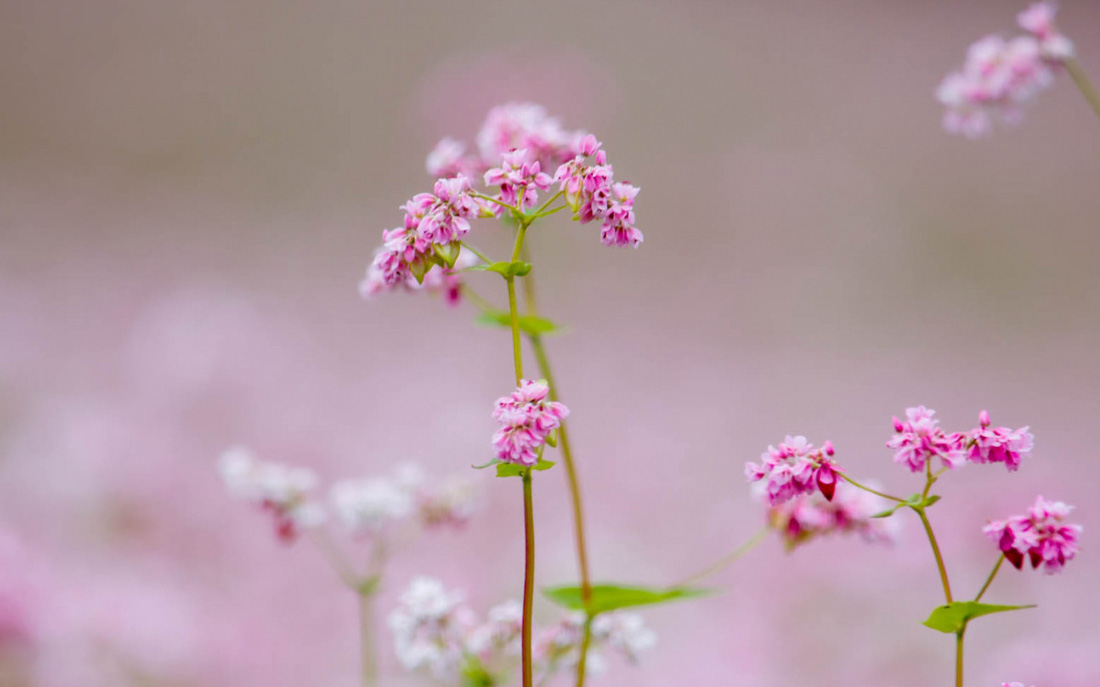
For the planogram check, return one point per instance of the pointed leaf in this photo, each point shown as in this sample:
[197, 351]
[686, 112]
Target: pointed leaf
[528, 323]
[609, 597]
[491, 463]
[951, 618]
[513, 470]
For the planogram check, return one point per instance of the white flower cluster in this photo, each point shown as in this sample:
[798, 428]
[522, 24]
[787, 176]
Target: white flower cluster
[362, 506]
[435, 632]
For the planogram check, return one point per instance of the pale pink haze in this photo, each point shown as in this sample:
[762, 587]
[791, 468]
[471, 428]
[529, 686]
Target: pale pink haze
[1041, 534]
[526, 418]
[795, 467]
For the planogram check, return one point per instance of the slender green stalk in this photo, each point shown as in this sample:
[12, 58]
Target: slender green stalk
[959, 656]
[989, 580]
[856, 484]
[513, 312]
[528, 577]
[476, 252]
[586, 641]
[366, 639]
[1084, 84]
[936, 553]
[727, 560]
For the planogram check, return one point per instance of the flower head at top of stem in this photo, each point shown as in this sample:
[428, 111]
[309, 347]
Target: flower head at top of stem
[1041, 534]
[795, 467]
[526, 418]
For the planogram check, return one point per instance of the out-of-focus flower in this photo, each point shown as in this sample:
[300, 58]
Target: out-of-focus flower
[1000, 75]
[794, 468]
[526, 418]
[280, 489]
[1041, 533]
[365, 506]
[986, 444]
[430, 626]
[808, 516]
[438, 278]
[450, 501]
[499, 635]
[1013, 684]
[1038, 20]
[558, 648]
[449, 159]
[920, 439]
[526, 126]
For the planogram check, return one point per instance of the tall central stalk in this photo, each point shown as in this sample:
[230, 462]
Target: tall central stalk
[528, 501]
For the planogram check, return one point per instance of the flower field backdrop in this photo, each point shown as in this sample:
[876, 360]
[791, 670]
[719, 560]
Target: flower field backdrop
[189, 196]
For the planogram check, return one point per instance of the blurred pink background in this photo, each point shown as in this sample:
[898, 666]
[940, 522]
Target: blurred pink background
[190, 192]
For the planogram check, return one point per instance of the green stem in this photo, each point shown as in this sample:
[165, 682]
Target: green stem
[528, 577]
[989, 580]
[1084, 84]
[727, 560]
[586, 640]
[959, 656]
[476, 252]
[513, 312]
[482, 196]
[366, 639]
[856, 484]
[936, 553]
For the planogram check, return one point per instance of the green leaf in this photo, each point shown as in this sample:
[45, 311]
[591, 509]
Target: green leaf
[608, 597]
[951, 618]
[448, 253]
[888, 512]
[507, 270]
[528, 323]
[513, 470]
[491, 463]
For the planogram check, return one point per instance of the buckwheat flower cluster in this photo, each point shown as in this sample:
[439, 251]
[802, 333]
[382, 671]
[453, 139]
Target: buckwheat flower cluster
[1041, 534]
[365, 506]
[282, 490]
[594, 195]
[526, 419]
[520, 178]
[809, 516]
[1000, 75]
[526, 126]
[987, 444]
[434, 225]
[920, 439]
[430, 627]
[795, 468]
[558, 647]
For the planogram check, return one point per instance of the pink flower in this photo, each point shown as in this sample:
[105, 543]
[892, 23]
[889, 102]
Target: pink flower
[526, 418]
[986, 444]
[518, 174]
[1040, 533]
[1001, 75]
[526, 126]
[448, 159]
[794, 468]
[281, 490]
[1038, 20]
[808, 516]
[446, 217]
[920, 439]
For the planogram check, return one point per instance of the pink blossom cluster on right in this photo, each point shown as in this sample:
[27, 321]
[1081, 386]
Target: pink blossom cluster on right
[920, 439]
[1041, 534]
[1000, 75]
[526, 418]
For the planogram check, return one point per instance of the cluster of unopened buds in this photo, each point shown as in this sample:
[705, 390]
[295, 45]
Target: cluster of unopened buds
[1000, 76]
[364, 507]
[435, 632]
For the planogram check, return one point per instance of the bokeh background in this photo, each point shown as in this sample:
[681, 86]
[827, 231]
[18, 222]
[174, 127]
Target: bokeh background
[189, 194]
